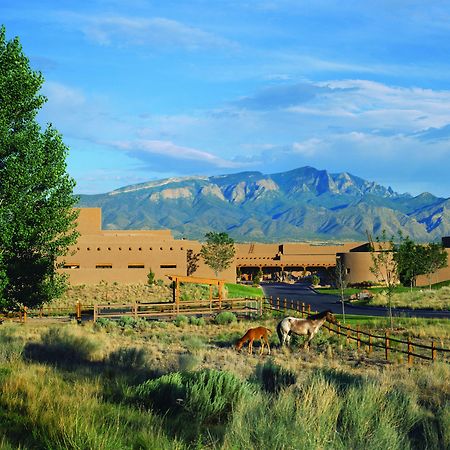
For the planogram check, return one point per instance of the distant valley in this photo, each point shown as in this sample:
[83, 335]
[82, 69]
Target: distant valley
[299, 205]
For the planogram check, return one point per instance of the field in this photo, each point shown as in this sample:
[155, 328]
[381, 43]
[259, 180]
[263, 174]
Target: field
[437, 298]
[181, 385]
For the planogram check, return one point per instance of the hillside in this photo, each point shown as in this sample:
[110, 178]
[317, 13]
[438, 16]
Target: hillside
[301, 204]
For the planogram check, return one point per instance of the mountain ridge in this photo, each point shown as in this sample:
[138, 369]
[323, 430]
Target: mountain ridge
[301, 204]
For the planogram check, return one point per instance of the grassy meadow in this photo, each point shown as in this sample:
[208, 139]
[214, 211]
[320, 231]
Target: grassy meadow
[135, 384]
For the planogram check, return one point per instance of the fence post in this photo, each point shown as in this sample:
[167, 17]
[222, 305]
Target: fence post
[284, 304]
[358, 338]
[386, 348]
[303, 309]
[41, 312]
[309, 309]
[261, 300]
[433, 351]
[78, 311]
[278, 303]
[410, 349]
[348, 334]
[24, 314]
[370, 344]
[95, 313]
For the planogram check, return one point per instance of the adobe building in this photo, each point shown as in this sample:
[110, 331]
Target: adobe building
[127, 256]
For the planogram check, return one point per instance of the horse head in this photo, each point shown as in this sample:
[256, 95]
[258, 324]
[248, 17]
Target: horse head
[330, 317]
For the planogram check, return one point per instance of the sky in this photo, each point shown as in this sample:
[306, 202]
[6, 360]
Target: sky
[144, 90]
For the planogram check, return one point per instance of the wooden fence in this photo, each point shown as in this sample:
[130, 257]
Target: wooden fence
[370, 341]
[248, 306]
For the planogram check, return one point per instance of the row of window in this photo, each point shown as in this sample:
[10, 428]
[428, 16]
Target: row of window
[130, 266]
[129, 248]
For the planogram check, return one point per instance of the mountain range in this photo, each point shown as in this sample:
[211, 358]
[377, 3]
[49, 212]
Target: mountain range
[303, 204]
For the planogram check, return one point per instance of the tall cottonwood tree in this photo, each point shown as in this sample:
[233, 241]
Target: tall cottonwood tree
[218, 251]
[37, 219]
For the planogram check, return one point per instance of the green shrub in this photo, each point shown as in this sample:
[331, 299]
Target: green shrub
[188, 362]
[151, 277]
[225, 317]
[181, 320]
[127, 358]
[126, 322]
[206, 396]
[199, 321]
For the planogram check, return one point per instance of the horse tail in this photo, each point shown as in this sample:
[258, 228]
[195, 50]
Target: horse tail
[280, 333]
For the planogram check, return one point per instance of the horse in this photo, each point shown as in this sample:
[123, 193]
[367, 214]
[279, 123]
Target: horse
[260, 333]
[309, 326]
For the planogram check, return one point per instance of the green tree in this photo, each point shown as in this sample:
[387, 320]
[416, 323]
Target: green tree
[410, 261]
[434, 258]
[384, 266]
[218, 251]
[37, 219]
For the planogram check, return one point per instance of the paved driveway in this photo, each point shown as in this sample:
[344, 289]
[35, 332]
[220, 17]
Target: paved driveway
[304, 293]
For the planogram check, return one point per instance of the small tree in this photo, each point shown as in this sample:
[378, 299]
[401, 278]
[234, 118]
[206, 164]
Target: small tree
[384, 266]
[151, 277]
[410, 261]
[434, 258]
[315, 280]
[341, 281]
[218, 251]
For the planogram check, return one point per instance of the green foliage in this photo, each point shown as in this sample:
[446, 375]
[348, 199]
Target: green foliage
[199, 321]
[435, 257]
[151, 277]
[225, 317]
[128, 322]
[218, 251]
[181, 320]
[410, 261]
[315, 280]
[206, 396]
[129, 358]
[37, 218]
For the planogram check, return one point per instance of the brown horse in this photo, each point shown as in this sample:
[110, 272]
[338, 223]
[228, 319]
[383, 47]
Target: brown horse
[260, 333]
[308, 327]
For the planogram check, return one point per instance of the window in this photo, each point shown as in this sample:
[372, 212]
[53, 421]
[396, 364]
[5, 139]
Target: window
[136, 266]
[348, 270]
[168, 266]
[103, 266]
[71, 266]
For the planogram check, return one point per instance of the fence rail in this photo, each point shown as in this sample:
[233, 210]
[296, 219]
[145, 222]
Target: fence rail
[372, 341]
[170, 309]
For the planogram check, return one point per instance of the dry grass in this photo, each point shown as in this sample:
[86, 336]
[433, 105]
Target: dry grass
[433, 299]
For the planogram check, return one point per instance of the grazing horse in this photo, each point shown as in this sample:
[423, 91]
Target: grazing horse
[309, 326]
[260, 333]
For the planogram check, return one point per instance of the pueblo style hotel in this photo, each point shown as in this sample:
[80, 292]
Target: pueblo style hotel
[127, 256]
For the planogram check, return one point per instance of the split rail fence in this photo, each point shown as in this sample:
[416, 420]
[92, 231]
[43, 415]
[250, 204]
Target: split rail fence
[368, 340]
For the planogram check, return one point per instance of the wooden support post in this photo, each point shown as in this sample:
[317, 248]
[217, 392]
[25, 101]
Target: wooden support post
[303, 309]
[348, 334]
[387, 344]
[261, 301]
[309, 309]
[358, 338]
[433, 351]
[78, 311]
[278, 303]
[410, 349]
[370, 344]
[338, 328]
[95, 313]
[135, 311]
[284, 304]
[24, 314]
[41, 311]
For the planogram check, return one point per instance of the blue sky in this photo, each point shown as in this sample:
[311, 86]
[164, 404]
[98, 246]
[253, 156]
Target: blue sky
[143, 90]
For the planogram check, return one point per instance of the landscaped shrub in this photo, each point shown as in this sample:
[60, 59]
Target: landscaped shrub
[225, 317]
[199, 321]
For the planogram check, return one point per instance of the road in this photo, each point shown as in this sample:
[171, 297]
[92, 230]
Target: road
[320, 302]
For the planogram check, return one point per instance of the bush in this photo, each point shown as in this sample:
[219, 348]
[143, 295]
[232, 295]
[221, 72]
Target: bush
[151, 278]
[199, 321]
[207, 396]
[127, 358]
[62, 346]
[181, 320]
[225, 317]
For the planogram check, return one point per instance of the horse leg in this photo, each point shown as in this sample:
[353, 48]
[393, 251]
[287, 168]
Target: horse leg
[262, 346]
[268, 346]
[250, 346]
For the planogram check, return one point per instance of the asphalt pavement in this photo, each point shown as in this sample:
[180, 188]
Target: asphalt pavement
[305, 293]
